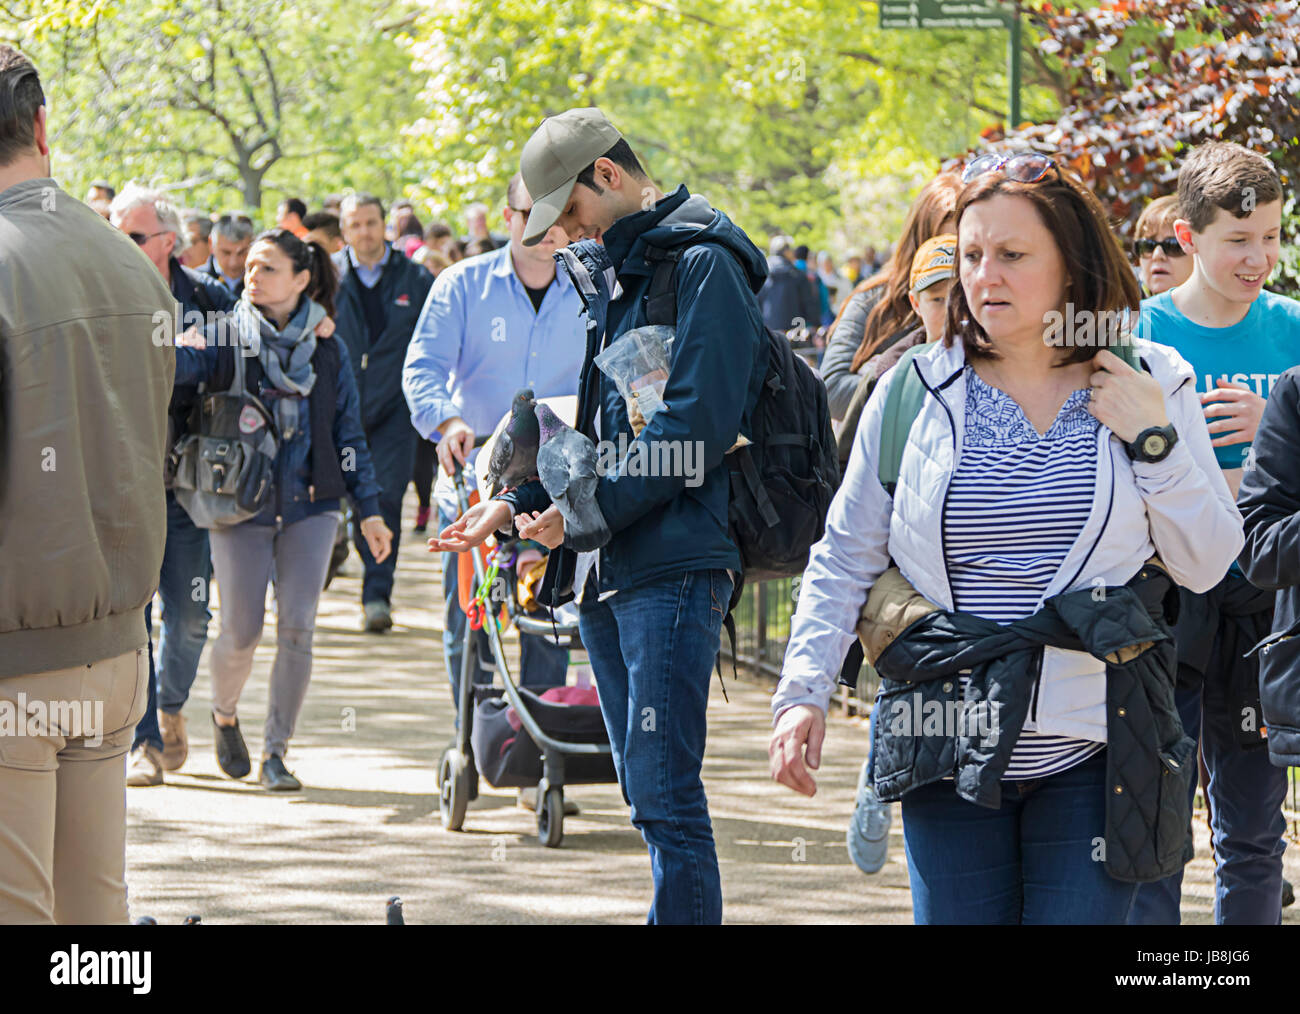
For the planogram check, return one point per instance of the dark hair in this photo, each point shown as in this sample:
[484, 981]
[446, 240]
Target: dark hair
[295, 206]
[436, 231]
[893, 311]
[480, 246]
[409, 225]
[1098, 277]
[105, 186]
[622, 156]
[1220, 175]
[20, 98]
[323, 221]
[312, 257]
[351, 202]
[801, 252]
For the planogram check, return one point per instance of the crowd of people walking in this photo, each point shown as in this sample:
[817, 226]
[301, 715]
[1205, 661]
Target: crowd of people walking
[1065, 533]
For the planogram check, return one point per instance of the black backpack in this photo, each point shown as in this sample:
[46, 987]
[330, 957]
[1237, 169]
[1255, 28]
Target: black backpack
[783, 481]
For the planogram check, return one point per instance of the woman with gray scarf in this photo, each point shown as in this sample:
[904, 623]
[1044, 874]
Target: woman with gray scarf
[307, 385]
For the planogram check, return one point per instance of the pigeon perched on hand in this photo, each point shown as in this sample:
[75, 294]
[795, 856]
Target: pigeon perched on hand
[566, 464]
[514, 453]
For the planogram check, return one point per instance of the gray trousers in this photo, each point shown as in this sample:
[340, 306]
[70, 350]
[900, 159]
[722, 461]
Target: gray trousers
[241, 563]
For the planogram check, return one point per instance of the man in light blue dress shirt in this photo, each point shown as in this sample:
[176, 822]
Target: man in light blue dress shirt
[491, 325]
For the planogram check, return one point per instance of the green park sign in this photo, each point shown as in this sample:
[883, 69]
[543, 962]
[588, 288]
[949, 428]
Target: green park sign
[960, 14]
[943, 14]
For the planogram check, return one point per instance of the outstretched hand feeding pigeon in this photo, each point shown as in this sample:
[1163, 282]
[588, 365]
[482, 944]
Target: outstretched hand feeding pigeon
[566, 464]
[514, 453]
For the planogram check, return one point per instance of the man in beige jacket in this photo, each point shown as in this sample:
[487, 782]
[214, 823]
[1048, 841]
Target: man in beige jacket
[86, 369]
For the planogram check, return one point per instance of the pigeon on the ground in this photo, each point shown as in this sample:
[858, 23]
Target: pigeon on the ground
[395, 912]
[566, 464]
[514, 455]
[146, 920]
[193, 920]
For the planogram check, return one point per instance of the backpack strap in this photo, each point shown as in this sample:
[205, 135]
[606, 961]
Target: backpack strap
[902, 405]
[661, 297]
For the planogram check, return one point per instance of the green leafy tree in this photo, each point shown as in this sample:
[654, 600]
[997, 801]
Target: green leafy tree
[238, 99]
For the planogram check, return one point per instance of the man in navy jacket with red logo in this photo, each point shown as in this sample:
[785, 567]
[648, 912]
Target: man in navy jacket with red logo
[379, 300]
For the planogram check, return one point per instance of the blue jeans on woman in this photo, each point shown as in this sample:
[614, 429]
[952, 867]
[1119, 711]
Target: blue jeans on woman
[1034, 860]
[652, 649]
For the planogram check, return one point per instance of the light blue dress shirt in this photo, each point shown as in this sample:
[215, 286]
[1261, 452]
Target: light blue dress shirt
[369, 276]
[479, 340]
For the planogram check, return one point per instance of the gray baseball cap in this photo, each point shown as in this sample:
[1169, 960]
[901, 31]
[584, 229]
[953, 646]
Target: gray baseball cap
[559, 149]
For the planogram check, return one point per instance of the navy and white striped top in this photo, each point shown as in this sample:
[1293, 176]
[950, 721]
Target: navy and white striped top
[1016, 504]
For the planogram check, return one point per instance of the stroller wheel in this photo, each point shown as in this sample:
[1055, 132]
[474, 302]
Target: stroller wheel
[550, 816]
[453, 789]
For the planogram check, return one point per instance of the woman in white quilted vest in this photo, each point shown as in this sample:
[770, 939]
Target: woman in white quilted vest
[1037, 465]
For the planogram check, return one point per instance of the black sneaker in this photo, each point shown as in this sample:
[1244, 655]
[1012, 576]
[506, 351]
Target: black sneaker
[232, 754]
[275, 776]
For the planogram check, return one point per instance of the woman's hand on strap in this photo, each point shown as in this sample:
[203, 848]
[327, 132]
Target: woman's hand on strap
[1125, 400]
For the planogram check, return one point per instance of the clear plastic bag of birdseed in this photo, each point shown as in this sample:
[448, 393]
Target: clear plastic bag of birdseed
[638, 364]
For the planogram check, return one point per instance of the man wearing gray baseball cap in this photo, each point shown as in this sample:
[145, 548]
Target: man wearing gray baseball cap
[653, 597]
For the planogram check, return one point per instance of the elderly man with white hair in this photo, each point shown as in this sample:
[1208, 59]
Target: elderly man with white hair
[154, 223]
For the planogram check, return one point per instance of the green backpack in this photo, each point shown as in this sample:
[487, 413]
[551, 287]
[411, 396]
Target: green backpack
[903, 404]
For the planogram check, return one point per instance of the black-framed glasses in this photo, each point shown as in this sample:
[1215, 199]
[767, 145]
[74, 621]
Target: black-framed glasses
[1025, 167]
[1147, 247]
[141, 238]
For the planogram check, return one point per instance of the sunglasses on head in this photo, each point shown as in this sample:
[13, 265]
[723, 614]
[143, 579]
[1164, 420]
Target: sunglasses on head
[141, 238]
[1026, 167]
[1147, 247]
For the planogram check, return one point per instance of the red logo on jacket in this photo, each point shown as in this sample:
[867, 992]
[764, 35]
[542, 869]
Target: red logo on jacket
[403, 300]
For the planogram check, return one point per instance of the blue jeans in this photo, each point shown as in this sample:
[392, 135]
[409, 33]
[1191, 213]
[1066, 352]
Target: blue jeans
[541, 664]
[1246, 793]
[184, 586]
[1030, 861]
[652, 649]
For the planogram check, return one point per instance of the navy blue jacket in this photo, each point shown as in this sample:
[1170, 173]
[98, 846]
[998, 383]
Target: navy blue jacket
[659, 525]
[1270, 504]
[788, 297]
[403, 287]
[294, 499]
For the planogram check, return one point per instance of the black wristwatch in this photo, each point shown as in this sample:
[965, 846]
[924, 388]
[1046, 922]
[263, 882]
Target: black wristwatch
[1153, 444]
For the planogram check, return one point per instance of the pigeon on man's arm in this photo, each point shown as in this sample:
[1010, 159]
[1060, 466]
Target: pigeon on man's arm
[566, 464]
[514, 453]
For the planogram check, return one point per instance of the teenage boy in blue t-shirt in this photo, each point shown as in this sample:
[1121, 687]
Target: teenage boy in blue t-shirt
[1238, 338]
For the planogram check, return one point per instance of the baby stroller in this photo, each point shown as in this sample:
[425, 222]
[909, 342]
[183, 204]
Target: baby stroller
[521, 740]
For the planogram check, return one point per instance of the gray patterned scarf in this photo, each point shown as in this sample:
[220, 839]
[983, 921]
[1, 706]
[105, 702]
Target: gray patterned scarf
[285, 355]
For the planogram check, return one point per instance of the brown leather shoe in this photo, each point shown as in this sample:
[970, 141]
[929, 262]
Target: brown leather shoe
[145, 766]
[176, 745]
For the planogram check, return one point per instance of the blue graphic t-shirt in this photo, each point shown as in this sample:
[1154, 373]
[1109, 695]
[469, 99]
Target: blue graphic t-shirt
[1254, 352]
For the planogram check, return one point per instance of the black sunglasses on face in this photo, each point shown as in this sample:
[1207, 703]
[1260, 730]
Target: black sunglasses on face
[141, 238]
[1147, 247]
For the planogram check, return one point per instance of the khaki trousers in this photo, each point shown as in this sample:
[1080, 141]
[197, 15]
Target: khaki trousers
[63, 739]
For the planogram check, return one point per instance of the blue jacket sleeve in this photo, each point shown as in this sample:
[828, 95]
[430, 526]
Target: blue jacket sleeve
[197, 366]
[1269, 498]
[358, 468]
[719, 336]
